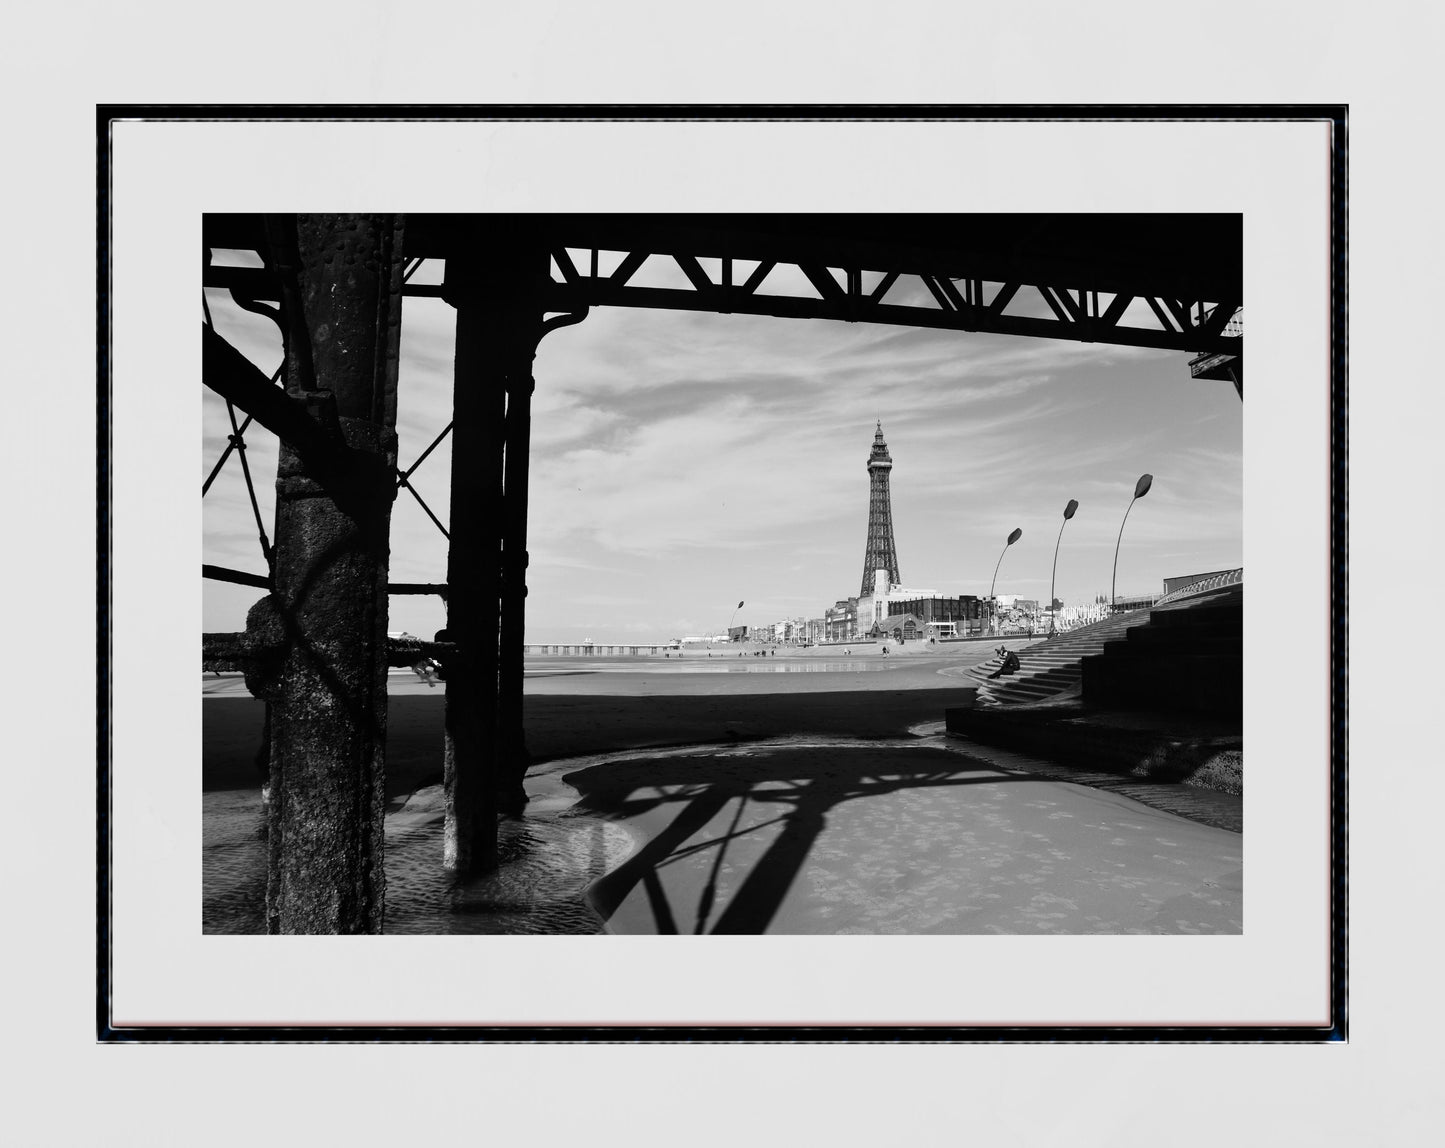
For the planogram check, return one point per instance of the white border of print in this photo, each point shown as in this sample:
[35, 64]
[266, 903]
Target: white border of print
[166, 972]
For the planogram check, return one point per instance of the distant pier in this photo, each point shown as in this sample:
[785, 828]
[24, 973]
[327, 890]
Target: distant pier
[599, 649]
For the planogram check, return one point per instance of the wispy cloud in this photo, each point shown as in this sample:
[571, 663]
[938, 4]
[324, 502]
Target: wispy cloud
[681, 462]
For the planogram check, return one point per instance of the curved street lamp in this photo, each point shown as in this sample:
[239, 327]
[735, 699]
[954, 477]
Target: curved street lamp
[1012, 538]
[1141, 488]
[1068, 514]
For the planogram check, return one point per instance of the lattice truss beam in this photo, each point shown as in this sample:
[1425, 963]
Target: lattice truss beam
[857, 294]
[816, 290]
[1169, 282]
[1164, 280]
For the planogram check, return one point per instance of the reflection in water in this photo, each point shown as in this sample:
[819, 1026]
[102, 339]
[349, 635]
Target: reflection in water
[699, 664]
[547, 862]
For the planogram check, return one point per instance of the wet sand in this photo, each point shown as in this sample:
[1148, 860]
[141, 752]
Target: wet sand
[803, 802]
[895, 838]
[582, 705]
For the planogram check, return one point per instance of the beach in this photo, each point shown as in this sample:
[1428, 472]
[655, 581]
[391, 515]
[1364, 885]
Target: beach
[805, 792]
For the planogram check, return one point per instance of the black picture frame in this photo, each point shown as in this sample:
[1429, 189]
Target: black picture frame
[1335, 1030]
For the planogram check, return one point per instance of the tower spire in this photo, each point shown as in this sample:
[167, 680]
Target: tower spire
[880, 553]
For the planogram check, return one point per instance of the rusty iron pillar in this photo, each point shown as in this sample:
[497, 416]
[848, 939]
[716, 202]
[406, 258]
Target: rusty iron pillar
[341, 296]
[496, 282]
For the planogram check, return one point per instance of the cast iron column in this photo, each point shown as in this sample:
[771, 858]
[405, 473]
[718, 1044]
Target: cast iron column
[525, 329]
[473, 567]
[499, 289]
[341, 286]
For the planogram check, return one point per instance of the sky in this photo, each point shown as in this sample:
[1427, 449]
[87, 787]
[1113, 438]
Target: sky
[683, 462]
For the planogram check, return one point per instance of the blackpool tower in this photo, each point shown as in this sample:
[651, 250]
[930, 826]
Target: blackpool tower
[880, 554]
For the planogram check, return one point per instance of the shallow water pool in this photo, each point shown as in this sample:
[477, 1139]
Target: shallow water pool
[538, 668]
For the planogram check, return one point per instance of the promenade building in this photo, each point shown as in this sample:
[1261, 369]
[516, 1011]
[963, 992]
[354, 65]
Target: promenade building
[938, 617]
[873, 607]
[840, 620]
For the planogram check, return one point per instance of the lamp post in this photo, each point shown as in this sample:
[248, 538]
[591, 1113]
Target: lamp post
[1068, 514]
[1012, 538]
[1141, 488]
[736, 608]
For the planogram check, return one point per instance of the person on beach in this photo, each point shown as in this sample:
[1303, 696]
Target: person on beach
[262, 760]
[1009, 664]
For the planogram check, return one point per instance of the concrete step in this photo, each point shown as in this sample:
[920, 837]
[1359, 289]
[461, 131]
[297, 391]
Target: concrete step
[1183, 643]
[1049, 666]
[1149, 657]
[1199, 615]
[1163, 635]
[1175, 642]
[1145, 752]
[1016, 695]
[1176, 682]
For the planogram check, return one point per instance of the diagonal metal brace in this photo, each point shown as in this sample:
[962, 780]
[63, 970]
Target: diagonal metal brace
[309, 422]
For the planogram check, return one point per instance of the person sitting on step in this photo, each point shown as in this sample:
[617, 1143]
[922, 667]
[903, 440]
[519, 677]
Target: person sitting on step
[1008, 665]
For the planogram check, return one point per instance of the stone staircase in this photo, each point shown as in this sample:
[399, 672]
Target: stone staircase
[1050, 667]
[1189, 658]
[1184, 654]
[1153, 694]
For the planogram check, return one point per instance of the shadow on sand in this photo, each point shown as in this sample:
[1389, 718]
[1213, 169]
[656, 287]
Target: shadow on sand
[783, 798]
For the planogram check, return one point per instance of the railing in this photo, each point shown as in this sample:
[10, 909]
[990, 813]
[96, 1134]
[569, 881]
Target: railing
[1208, 360]
[1233, 577]
[1137, 602]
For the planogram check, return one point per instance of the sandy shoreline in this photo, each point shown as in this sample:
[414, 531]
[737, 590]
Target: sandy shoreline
[587, 710]
[806, 802]
[894, 838]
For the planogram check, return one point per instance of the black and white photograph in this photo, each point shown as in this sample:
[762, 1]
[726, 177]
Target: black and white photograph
[842, 567]
[723, 574]
[716, 544]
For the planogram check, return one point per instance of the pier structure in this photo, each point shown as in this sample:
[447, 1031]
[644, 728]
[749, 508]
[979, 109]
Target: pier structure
[601, 649]
[316, 646]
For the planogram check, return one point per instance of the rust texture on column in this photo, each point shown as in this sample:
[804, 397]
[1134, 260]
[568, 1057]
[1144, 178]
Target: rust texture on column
[341, 277]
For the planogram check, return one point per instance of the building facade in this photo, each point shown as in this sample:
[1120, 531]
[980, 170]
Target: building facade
[840, 620]
[940, 617]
